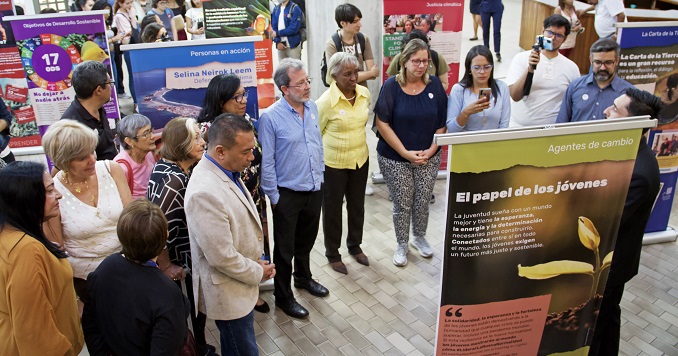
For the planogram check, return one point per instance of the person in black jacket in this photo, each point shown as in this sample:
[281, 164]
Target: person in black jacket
[133, 308]
[640, 199]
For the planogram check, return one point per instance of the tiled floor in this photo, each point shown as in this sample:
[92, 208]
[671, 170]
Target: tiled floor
[387, 310]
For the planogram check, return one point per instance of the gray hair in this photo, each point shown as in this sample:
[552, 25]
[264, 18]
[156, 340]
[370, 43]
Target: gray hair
[281, 76]
[87, 76]
[339, 61]
[67, 140]
[129, 126]
[605, 45]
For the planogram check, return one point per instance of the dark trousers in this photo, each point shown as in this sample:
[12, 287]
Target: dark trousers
[198, 319]
[496, 24]
[340, 183]
[296, 218]
[607, 332]
[132, 90]
[237, 336]
[117, 70]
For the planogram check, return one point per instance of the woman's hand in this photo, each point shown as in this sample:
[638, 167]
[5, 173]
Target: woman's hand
[415, 157]
[173, 271]
[481, 104]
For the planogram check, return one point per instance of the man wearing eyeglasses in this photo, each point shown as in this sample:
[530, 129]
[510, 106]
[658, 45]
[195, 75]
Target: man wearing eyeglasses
[587, 97]
[550, 79]
[92, 86]
[292, 174]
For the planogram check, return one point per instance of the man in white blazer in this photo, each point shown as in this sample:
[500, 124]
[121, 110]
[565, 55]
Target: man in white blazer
[226, 235]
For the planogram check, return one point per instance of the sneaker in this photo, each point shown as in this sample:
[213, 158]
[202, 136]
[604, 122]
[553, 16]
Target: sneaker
[400, 255]
[368, 190]
[498, 56]
[422, 246]
[433, 199]
[124, 96]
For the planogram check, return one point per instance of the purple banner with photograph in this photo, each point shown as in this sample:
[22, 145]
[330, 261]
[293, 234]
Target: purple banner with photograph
[50, 46]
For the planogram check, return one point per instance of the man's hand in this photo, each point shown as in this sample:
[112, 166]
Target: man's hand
[533, 60]
[269, 269]
[175, 272]
[280, 46]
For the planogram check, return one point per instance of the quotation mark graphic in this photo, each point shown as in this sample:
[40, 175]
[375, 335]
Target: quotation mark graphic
[456, 313]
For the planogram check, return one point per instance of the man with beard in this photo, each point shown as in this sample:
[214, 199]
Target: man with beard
[587, 97]
[551, 74]
[92, 86]
[292, 168]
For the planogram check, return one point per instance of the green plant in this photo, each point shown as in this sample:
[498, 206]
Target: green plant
[590, 238]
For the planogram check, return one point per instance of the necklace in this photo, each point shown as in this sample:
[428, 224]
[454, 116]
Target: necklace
[349, 99]
[79, 190]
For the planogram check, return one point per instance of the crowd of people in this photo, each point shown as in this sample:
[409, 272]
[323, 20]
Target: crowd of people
[110, 235]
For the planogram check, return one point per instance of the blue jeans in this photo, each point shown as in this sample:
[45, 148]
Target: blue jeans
[237, 336]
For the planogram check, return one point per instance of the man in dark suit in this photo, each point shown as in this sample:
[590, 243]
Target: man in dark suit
[637, 208]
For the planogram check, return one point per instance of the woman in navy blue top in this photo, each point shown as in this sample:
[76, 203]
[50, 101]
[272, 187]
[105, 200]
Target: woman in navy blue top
[411, 108]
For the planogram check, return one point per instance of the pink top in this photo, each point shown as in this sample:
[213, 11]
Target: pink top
[141, 173]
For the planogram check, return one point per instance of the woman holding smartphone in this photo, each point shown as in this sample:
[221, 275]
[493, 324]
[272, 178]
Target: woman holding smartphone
[195, 21]
[478, 101]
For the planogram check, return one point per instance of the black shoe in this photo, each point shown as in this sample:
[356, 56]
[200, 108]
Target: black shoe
[314, 288]
[498, 56]
[292, 308]
[263, 308]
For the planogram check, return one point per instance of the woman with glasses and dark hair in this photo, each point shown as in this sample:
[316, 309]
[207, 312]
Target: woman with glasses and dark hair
[467, 109]
[136, 157]
[154, 32]
[225, 94]
[39, 307]
[411, 108]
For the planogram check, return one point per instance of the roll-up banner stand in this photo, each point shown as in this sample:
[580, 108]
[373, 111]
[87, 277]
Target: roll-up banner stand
[171, 78]
[649, 60]
[49, 47]
[532, 218]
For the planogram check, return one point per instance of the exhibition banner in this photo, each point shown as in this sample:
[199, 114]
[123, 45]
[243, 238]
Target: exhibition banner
[531, 225]
[238, 18]
[50, 46]
[649, 60]
[441, 21]
[174, 83]
[13, 86]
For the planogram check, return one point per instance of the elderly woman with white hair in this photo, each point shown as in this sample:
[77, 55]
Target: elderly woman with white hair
[136, 158]
[94, 194]
[343, 111]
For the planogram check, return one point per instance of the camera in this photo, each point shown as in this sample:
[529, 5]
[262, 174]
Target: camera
[165, 38]
[543, 43]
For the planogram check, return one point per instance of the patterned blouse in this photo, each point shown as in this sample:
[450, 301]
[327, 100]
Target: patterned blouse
[166, 189]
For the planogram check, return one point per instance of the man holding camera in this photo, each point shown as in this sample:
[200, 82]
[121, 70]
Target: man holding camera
[587, 97]
[539, 78]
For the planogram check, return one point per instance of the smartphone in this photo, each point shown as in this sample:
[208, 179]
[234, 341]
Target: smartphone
[487, 92]
[200, 24]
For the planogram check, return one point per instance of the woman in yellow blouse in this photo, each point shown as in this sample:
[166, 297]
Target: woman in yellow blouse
[343, 111]
[38, 308]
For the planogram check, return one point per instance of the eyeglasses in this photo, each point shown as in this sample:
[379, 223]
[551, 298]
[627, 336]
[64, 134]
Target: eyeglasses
[418, 62]
[550, 33]
[301, 84]
[107, 83]
[485, 68]
[146, 134]
[241, 97]
[597, 63]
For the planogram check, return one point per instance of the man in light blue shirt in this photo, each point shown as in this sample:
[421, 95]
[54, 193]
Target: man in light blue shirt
[292, 170]
[587, 97]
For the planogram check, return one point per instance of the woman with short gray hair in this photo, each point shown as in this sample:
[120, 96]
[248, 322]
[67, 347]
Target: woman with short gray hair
[343, 112]
[136, 158]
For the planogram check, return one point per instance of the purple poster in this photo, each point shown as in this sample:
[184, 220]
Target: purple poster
[50, 47]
